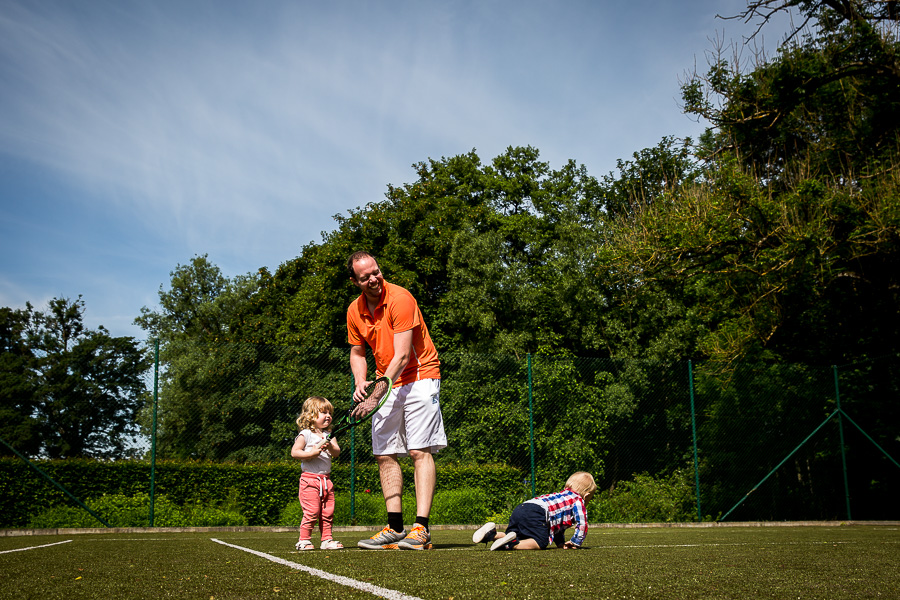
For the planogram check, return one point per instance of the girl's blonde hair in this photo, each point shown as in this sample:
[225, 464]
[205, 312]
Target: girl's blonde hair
[310, 412]
[581, 483]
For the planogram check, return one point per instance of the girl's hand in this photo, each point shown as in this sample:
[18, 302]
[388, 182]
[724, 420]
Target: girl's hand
[333, 448]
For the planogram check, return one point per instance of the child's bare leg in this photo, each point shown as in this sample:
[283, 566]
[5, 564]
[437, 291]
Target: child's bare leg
[527, 544]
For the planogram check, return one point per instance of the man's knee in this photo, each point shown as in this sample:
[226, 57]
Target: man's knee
[386, 460]
[417, 455]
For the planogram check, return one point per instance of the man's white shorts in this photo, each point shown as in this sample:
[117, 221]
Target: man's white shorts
[410, 419]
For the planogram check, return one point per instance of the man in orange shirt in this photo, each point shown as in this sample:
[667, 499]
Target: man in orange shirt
[387, 318]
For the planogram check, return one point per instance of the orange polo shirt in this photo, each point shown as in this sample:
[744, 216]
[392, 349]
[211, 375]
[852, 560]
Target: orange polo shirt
[397, 311]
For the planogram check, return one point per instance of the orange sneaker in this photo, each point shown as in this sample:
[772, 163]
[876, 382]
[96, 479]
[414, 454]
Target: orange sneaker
[386, 539]
[419, 538]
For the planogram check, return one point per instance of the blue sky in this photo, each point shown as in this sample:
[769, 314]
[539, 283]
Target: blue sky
[137, 134]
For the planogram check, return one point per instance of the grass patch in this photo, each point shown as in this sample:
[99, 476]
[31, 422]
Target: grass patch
[686, 563]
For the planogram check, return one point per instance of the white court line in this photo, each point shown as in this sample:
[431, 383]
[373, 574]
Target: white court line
[340, 579]
[715, 545]
[33, 547]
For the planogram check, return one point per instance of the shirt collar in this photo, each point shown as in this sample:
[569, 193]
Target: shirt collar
[381, 301]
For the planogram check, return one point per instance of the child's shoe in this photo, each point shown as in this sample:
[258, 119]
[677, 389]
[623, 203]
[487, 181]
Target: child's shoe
[504, 543]
[331, 545]
[304, 545]
[486, 533]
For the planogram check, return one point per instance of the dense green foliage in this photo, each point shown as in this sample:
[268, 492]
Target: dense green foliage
[124, 511]
[668, 499]
[792, 238]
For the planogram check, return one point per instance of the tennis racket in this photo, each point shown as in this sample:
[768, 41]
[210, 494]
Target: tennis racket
[376, 393]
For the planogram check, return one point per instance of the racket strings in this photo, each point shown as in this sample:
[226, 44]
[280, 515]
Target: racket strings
[374, 394]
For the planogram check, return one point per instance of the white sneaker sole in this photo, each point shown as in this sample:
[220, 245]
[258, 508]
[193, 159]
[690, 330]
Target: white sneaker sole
[382, 547]
[485, 529]
[509, 537]
[404, 545]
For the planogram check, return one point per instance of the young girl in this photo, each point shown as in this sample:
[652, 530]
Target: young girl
[316, 489]
[539, 521]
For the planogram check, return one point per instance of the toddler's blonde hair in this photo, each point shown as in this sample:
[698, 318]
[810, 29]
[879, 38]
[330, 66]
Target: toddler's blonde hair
[582, 483]
[310, 412]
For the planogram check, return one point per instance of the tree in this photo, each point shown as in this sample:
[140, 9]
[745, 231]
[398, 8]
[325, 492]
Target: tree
[19, 391]
[786, 247]
[69, 391]
[212, 405]
[649, 176]
[826, 105]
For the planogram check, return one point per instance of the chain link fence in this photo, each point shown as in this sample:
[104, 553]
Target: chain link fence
[760, 442]
[753, 442]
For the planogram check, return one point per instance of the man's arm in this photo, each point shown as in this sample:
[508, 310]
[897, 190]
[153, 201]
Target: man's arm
[402, 351]
[359, 368]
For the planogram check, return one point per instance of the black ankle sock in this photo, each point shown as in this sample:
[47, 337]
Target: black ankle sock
[423, 521]
[395, 521]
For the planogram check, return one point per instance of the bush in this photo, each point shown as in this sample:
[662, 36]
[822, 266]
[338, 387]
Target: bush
[369, 510]
[668, 499]
[259, 492]
[460, 507]
[134, 511]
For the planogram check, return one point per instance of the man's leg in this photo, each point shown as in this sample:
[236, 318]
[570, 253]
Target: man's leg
[425, 476]
[419, 537]
[391, 482]
[392, 487]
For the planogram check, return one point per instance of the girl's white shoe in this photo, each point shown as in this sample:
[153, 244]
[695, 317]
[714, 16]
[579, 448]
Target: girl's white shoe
[304, 545]
[331, 545]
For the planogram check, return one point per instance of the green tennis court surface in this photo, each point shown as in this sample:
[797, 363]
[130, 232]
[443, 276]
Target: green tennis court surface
[829, 562]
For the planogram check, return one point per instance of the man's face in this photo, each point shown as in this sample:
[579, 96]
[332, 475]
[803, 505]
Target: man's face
[368, 278]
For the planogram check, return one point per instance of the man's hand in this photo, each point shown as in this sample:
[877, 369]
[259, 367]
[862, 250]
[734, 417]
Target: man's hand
[359, 394]
[358, 411]
[570, 546]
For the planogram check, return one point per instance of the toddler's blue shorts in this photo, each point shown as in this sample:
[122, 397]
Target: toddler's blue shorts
[529, 521]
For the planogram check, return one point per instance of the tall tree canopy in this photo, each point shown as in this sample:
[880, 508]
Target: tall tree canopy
[498, 256]
[208, 384]
[827, 105]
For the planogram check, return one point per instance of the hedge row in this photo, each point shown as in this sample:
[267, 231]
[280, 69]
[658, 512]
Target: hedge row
[258, 491]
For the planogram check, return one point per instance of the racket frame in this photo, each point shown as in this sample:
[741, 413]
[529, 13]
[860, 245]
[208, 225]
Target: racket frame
[347, 422]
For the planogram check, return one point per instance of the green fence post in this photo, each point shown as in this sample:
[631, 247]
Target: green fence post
[840, 413]
[531, 424]
[352, 469]
[153, 434]
[694, 429]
